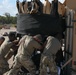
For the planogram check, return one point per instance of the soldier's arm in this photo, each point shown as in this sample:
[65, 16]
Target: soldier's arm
[37, 45]
[15, 42]
[12, 51]
[9, 55]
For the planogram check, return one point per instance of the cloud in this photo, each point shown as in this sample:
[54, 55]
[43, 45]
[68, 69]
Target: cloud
[62, 1]
[6, 6]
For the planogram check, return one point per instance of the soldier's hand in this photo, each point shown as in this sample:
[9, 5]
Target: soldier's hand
[15, 41]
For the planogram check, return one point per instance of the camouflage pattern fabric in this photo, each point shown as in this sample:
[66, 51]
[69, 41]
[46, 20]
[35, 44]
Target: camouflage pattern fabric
[46, 61]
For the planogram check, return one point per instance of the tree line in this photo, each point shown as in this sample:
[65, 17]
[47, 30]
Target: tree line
[8, 19]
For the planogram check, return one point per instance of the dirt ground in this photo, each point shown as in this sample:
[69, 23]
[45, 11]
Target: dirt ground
[7, 30]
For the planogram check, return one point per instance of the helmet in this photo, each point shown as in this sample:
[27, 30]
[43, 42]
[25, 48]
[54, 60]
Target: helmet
[12, 34]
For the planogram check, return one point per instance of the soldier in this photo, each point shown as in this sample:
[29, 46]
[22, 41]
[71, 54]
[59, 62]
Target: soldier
[48, 56]
[23, 58]
[1, 40]
[4, 49]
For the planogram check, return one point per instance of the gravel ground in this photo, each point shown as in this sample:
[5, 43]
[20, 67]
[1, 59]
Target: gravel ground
[7, 30]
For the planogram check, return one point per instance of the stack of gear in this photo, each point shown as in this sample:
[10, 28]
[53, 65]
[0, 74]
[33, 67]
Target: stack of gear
[39, 22]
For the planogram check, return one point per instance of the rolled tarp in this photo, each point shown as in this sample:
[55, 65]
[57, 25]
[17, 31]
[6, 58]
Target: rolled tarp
[40, 24]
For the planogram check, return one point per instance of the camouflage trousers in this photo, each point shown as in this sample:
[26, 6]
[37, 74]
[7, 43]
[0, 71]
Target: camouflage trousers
[4, 67]
[24, 61]
[46, 61]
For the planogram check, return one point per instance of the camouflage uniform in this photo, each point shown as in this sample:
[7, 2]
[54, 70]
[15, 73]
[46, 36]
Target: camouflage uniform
[23, 57]
[48, 56]
[4, 49]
